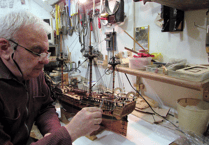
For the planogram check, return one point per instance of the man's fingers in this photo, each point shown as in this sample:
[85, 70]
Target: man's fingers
[93, 109]
[97, 121]
[96, 115]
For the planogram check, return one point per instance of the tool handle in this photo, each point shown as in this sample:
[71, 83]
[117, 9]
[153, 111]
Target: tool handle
[131, 50]
[99, 23]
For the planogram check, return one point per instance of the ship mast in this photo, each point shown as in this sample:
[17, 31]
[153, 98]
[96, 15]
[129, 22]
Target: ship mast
[113, 84]
[62, 61]
[113, 63]
[90, 57]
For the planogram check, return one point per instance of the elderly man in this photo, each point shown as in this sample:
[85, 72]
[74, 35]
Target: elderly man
[24, 96]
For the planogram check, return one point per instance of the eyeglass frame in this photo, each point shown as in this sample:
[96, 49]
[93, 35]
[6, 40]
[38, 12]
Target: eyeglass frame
[40, 55]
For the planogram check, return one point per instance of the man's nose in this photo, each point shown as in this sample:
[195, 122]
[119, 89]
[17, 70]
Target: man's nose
[45, 60]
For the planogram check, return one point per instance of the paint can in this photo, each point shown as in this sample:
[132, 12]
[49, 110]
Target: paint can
[193, 115]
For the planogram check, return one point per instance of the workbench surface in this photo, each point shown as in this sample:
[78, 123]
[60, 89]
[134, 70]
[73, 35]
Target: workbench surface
[139, 132]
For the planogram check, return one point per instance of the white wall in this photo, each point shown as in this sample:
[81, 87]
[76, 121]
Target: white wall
[16, 5]
[29, 5]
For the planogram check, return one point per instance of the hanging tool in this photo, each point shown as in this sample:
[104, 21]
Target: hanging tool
[82, 25]
[70, 28]
[57, 18]
[90, 13]
[96, 14]
[110, 41]
[65, 18]
[99, 23]
[82, 14]
[69, 23]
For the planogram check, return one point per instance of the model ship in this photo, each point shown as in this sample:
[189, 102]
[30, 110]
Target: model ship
[115, 106]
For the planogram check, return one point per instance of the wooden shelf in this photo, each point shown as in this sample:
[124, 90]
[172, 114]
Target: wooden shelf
[199, 86]
[184, 5]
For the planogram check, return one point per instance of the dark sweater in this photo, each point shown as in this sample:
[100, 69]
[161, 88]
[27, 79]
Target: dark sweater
[21, 105]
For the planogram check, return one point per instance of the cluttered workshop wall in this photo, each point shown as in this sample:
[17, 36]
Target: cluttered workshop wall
[188, 44]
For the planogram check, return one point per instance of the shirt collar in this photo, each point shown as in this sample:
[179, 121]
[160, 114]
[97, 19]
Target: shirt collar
[5, 73]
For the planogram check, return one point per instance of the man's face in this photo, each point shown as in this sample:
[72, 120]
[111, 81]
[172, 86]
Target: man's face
[36, 40]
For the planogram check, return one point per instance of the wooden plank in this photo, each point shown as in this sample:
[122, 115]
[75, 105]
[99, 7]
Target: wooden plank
[164, 78]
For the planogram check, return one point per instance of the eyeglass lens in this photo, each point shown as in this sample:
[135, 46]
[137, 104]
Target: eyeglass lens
[44, 55]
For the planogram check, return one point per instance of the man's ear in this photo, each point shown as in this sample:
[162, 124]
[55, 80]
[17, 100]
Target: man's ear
[5, 50]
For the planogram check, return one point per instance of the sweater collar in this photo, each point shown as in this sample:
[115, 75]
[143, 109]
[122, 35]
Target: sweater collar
[5, 73]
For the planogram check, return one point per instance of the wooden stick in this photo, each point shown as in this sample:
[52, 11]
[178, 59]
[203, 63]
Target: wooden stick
[61, 60]
[134, 40]
[131, 50]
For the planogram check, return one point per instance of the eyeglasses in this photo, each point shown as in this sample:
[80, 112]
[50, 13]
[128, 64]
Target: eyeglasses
[41, 55]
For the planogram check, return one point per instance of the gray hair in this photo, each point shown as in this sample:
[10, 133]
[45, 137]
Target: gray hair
[13, 21]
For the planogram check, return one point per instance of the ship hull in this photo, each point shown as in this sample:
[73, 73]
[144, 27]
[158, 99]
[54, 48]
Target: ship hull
[113, 119]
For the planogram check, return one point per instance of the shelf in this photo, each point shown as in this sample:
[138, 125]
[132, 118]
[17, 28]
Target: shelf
[199, 86]
[184, 5]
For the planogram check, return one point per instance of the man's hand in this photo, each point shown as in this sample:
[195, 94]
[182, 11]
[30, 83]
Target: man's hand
[84, 122]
